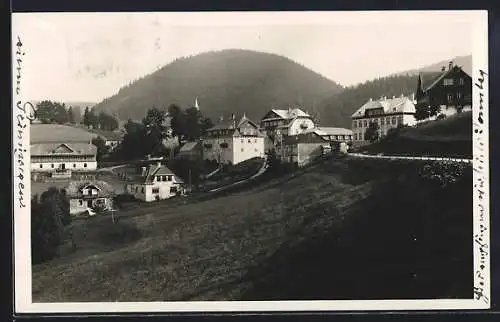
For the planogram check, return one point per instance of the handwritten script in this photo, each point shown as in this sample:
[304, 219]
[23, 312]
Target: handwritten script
[480, 237]
[24, 113]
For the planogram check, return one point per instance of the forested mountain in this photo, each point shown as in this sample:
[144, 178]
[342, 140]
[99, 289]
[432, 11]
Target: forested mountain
[225, 82]
[337, 110]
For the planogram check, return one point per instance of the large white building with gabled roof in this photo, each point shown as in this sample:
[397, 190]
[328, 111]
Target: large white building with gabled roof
[388, 113]
[278, 123]
[58, 157]
[232, 142]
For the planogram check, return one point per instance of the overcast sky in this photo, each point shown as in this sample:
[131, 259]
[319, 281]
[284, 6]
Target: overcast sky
[89, 56]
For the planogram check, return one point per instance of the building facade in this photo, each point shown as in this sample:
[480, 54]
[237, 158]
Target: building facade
[63, 158]
[233, 142]
[387, 113]
[277, 124]
[449, 90]
[303, 148]
[83, 195]
[155, 182]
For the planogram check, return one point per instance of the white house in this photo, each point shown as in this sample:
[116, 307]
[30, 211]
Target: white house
[233, 142]
[156, 182]
[388, 113]
[63, 158]
[278, 123]
[85, 194]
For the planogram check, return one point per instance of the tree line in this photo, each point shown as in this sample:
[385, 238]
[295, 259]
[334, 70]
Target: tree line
[49, 112]
[148, 136]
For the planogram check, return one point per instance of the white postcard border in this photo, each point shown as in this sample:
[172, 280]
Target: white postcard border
[21, 179]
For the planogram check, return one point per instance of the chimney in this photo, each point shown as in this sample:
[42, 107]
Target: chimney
[450, 65]
[443, 69]
[144, 169]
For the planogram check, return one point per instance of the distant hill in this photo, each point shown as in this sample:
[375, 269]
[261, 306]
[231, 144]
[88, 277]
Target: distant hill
[337, 109]
[464, 61]
[225, 82]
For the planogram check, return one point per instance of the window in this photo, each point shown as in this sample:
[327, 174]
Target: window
[255, 149]
[448, 82]
[365, 124]
[136, 189]
[450, 98]
[84, 165]
[387, 120]
[355, 136]
[41, 166]
[52, 166]
[254, 140]
[382, 121]
[461, 81]
[393, 120]
[142, 189]
[156, 190]
[80, 202]
[169, 178]
[173, 189]
[74, 165]
[241, 149]
[459, 95]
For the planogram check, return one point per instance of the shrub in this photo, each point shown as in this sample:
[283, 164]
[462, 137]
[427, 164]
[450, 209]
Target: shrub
[49, 219]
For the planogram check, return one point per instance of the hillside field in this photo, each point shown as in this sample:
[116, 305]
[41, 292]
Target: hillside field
[58, 133]
[342, 229]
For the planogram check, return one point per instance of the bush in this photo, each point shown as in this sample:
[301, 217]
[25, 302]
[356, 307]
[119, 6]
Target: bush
[49, 219]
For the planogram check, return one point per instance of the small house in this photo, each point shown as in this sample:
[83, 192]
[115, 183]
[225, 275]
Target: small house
[155, 182]
[303, 148]
[89, 194]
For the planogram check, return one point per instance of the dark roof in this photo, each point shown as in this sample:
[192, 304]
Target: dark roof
[428, 78]
[305, 138]
[63, 149]
[232, 126]
[109, 135]
[74, 188]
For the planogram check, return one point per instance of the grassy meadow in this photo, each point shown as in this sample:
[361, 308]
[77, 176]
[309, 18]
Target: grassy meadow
[342, 229]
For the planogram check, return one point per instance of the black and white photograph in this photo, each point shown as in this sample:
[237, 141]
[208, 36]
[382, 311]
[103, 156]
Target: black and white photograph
[250, 161]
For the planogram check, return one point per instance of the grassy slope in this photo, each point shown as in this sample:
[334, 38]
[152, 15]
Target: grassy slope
[252, 244]
[58, 132]
[449, 137]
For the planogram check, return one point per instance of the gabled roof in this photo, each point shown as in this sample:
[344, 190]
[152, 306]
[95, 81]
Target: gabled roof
[74, 188]
[430, 79]
[233, 127]
[389, 105]
[304, 138]
[158, 170]
[188, 146]
[38, 149]
[286, 114]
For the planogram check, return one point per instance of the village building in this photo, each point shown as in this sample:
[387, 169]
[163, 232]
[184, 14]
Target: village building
[233, 142]
[450, 90]
[278, 123]
[112, 139]
[387, 113]
[61, 159]
[334, 134]
[154, 182]
[303, 148]
[192, 151]
[85, 195]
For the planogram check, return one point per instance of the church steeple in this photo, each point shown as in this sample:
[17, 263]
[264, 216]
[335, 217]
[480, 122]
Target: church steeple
[196, 104]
